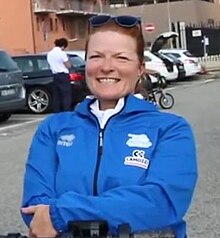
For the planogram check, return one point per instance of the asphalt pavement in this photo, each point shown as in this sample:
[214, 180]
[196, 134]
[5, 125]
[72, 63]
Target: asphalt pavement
[198, 101]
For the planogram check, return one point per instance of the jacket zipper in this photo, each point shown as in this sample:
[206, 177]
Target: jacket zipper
[100, 150]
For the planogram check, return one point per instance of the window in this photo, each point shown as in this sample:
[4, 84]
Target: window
[76, 61]
[42, 64]
[173, 54]
[38, 24]
[63, 24]
[6, 63]
[25, 64]
[146, 58]
[51, 24]
[56, 24]
[81, 23]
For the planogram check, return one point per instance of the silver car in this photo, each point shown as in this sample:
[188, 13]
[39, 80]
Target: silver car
[12, 92]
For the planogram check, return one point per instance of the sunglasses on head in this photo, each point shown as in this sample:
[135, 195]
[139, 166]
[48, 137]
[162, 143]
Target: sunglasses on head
[123, 21]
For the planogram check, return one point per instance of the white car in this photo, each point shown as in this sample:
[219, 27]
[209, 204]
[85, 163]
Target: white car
[152, 62]
[191, 64]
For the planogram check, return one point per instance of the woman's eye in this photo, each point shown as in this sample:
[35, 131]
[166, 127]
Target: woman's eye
[122, 58]
[94, 56]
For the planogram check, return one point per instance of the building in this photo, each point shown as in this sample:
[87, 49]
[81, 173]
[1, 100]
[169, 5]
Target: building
[29, 26]
[167, 15]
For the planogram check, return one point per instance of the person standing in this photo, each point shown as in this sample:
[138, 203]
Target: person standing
[59, 65]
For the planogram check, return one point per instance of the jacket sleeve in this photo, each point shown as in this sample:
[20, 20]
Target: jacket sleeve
[40, 169]
[160, 201]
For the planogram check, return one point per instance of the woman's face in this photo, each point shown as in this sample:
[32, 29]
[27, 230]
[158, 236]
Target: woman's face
[112, 66]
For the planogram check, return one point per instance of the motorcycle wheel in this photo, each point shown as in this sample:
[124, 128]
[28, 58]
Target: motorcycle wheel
[166, 101]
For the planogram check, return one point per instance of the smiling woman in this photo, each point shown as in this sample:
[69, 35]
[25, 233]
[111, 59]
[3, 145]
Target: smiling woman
[115, 152]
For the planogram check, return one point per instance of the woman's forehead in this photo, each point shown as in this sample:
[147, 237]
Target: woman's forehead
[111, 40]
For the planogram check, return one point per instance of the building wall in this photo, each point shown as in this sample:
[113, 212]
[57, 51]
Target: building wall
[22, 31]
[186, 11]
[48, 27]
[16, 26]
[44, 35]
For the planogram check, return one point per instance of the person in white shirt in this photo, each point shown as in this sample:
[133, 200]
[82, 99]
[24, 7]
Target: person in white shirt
[59, 65]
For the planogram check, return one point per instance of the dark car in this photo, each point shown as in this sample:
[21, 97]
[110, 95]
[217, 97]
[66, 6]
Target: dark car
[38, 80]
[12, 92]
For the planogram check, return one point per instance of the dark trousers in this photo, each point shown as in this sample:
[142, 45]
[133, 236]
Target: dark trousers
[62, 93]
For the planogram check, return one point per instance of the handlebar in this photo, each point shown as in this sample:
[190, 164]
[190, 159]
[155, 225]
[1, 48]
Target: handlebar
[85, 229]
[99, 229]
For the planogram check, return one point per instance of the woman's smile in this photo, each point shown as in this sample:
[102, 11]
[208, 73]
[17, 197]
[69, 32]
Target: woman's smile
[105, 80]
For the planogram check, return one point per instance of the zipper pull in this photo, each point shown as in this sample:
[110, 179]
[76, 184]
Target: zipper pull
[100, 141]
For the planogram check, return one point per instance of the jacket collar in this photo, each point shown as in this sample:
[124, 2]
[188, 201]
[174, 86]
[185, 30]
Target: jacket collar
[132, 105]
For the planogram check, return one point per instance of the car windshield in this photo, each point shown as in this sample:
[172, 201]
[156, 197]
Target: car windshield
[76, 61]
[6, 63]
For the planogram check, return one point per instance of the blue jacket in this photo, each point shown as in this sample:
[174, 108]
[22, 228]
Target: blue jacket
[140, 169]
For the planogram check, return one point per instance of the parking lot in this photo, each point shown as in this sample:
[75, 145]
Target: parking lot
[24, 118]
[196, 100]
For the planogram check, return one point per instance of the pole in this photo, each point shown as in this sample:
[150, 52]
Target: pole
[168, 15]
[204, 46]
[32, 26]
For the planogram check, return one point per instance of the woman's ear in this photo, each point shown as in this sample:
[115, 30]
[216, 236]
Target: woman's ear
[141, 70]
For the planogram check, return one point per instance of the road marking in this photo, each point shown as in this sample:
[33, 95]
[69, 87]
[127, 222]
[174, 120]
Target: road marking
[20, 124]
[14, 118]
[208, 81]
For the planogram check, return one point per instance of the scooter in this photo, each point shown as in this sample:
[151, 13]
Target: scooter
[157, 94]
[86, 229]
[99, 229]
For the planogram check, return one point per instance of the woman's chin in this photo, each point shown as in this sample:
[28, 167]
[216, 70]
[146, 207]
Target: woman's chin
[109, 97]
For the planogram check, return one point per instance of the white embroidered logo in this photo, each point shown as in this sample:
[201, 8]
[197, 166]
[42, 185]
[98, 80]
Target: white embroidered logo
[66, 140]
[137, 159]
[141, 141]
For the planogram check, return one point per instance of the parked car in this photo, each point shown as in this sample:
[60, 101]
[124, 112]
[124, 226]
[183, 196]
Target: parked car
[174, 62]
[38, 80]
[164, 67]
[191, 63]
[12, 92]
[171, 63]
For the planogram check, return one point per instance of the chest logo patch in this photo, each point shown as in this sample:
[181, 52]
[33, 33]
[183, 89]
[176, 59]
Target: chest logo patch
[137, 159]
[141, 141]
[66, 140]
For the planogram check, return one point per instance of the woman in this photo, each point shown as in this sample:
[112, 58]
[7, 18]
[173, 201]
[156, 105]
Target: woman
[116, 157]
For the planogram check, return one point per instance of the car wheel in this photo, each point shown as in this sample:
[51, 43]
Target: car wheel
[39, 100]
[4, 116]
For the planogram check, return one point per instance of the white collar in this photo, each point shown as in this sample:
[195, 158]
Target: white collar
[103, 116]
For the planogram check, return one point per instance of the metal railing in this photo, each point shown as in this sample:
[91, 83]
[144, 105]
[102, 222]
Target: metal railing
[211, 62]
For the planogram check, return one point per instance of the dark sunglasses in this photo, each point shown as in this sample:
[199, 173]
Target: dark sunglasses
[123, 21]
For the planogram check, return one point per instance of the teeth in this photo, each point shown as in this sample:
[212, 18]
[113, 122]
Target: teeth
[108, 80]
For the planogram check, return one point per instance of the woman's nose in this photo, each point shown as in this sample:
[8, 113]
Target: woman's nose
[107, 65]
